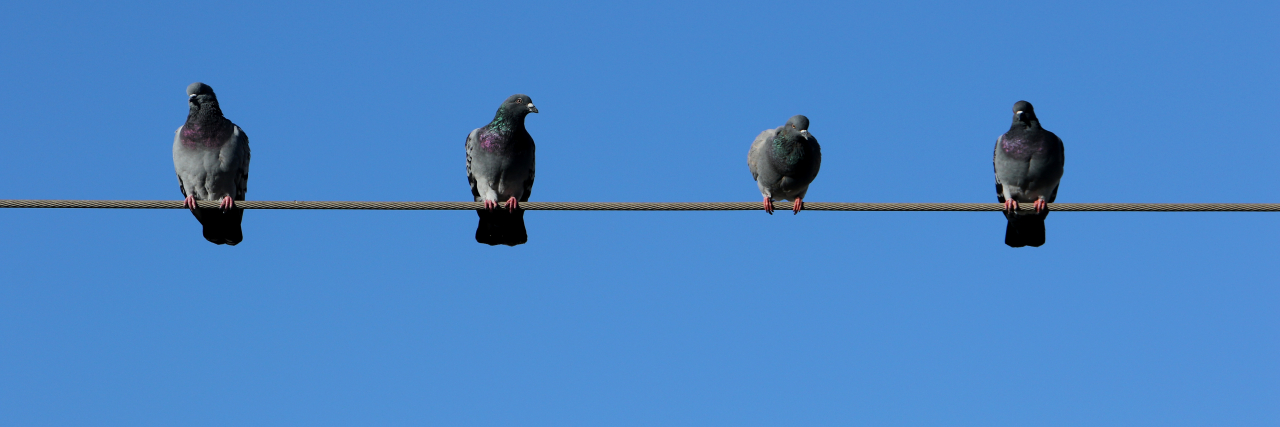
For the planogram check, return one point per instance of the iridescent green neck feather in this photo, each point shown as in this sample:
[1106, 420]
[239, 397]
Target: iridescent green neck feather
[787, 150]
[504, 122]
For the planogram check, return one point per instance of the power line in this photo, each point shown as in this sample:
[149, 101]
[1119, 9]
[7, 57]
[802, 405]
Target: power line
[661, 206]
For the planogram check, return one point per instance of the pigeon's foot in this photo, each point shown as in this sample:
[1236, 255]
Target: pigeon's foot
[768, 205]
[1041, 206]
[490, 204]
[227, 203]
[1011, 206]
[190, 203]
[512, 205]
[797, 205]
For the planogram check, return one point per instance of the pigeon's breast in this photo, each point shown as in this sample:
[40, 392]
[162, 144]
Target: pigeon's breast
[196, 136]
[1020, 148]
[492, 142]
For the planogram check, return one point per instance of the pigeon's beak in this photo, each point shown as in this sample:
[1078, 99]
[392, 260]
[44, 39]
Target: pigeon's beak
[806, 134]
[532, 109]
[191, 98]
[1020, 115]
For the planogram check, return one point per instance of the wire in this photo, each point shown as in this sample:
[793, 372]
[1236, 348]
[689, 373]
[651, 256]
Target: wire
[632, 206]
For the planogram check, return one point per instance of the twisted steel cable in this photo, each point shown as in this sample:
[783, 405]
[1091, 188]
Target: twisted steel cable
[658, 206]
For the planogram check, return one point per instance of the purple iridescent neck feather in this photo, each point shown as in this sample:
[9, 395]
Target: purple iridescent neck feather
[206, 127]
[495, 136]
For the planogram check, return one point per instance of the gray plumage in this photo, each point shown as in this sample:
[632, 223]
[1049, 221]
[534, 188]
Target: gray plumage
[211, 158]
[1028, 164]
[784, 161]
[500, 168]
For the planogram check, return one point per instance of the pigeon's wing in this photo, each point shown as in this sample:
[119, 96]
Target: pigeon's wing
[1044, 169]
[177, 166]
[1054, 164]
[470, 148]
[996, 170]
[816, 160]
[528, 182]
[238, 148]
[756, 153]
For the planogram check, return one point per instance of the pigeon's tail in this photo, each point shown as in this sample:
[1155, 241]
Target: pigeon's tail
[222, 228]
[498, 227]
[1025, 230]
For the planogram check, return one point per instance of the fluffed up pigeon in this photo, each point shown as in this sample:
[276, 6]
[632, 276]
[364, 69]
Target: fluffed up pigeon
[1028, 164]
[500, 167]
[211, 157]
[784, 161]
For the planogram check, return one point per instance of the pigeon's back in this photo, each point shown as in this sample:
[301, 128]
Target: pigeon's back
[757, 157]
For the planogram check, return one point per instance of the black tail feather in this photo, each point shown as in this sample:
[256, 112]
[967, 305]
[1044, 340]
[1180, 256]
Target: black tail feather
[222, 228]
[498, 227]
[1025, 230]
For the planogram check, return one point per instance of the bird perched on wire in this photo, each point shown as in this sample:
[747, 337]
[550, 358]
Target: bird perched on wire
[500, 168]
[784, 161]
[1028, 165]
[211, 157]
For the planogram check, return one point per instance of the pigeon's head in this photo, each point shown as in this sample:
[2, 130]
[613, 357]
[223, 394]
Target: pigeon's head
[519, 104]
[1024, 112]
[200, 93]
[798, 124]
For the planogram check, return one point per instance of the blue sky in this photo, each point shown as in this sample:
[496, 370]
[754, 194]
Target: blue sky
[113, 317]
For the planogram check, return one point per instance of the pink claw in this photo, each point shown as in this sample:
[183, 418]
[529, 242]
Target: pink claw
[227, 203]
[512, 205]
[1011, 205]
[190, 203]
[797, 205]
[768, 205]
[1041, 206]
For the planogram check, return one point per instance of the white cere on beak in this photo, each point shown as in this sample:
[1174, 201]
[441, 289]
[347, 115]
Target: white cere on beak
[530, 105]
[1017, 112]
[191, 96]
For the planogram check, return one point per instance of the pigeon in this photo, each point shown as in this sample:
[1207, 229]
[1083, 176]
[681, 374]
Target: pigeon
[500, 167]
[784, 161]
[1028, 165]
[211, 157]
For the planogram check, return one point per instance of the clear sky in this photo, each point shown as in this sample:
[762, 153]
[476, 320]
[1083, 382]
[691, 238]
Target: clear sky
[130, 318]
